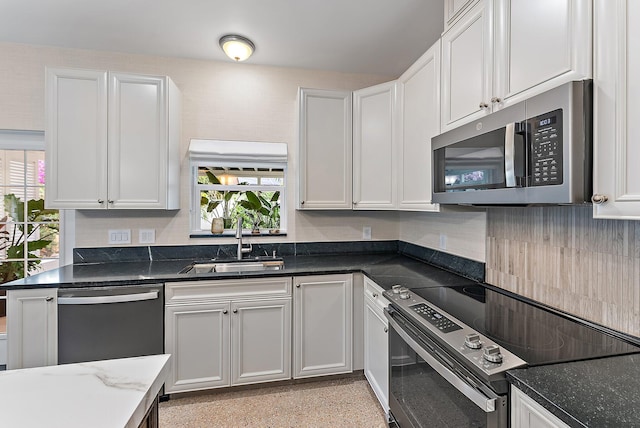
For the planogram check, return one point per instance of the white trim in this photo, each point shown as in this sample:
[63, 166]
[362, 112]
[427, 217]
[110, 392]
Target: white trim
[68, 236]
[11, 139]
[221, 152]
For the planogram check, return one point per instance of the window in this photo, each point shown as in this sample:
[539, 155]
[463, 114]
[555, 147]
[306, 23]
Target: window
[237, 180]
[29, 233]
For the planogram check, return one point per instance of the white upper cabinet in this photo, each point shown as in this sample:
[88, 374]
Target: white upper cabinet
[418, 118]
[503, 51]
[453, 9]
[325, 170]
[540, 44]
[112, 140]
[374, 175]
[467, 57]
[616, 108]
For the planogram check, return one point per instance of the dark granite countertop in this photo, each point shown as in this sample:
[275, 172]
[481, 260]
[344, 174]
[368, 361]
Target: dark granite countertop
[385, 269]
[593, 393]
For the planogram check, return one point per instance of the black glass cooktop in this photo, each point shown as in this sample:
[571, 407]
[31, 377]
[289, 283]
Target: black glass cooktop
[533, 334]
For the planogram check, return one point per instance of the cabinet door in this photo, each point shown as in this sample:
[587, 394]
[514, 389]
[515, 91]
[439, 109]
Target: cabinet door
[374, 177]
[137, 141]
[467, 60]
[32, 328]
[376, 363]
[453, 9]
[616, 110]
[76, 138]
[325, 170]
[526, 413]
[418, 121]
[260, 341]
[322, 325]
[540, 45]
[197, 337]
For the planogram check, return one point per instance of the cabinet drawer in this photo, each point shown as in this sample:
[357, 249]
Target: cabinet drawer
[373, 294]
[202, 291]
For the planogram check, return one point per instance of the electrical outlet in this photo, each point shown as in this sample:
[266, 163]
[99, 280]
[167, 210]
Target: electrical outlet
[119, 236]
[443, 241]
[147, 236]
[366, 232]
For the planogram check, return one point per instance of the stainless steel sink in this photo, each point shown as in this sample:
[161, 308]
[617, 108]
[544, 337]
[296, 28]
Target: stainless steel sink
[234, 266]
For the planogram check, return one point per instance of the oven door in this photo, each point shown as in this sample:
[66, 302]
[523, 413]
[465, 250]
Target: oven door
[428, 388]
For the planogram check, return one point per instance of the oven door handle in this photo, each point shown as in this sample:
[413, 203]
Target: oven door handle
[120, 298]
[487, 404]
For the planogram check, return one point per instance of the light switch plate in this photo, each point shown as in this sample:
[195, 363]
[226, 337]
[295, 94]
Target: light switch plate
[147, 236]
[119, 236]
[366, 232]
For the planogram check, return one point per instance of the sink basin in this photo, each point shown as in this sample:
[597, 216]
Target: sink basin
[234, 266]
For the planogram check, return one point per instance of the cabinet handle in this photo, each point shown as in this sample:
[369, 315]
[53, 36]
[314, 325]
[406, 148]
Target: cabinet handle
[101, 201]
[599, 199]
[49, 299]
[483, 105]
[374, 295]
[495, 100]
[235, 311]
[110, 201]
[225, 312]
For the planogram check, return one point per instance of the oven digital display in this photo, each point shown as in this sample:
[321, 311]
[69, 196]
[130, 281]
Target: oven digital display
[547, 121]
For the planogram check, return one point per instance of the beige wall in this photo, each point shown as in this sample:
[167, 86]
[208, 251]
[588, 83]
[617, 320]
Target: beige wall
[564, 258]
[464, 230]
[220, 100]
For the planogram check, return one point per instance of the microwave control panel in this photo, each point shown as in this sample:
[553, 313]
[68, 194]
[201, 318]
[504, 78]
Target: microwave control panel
[546, 149]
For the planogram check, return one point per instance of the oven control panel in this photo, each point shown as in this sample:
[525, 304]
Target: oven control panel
[460, 339]
[436, 319]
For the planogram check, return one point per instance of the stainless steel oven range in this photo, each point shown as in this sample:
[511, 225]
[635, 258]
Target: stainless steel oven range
[450, 347]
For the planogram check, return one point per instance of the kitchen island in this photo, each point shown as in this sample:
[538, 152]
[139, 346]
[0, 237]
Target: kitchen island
[110, 394]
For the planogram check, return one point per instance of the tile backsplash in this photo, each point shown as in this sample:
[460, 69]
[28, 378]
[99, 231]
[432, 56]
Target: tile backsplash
[562, 257]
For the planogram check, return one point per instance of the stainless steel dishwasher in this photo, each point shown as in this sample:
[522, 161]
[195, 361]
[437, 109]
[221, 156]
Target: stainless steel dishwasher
[100, 323]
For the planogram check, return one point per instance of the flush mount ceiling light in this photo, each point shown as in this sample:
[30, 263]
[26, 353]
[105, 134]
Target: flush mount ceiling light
[236, 47]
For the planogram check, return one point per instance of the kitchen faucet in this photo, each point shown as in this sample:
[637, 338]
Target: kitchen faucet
[241, 249]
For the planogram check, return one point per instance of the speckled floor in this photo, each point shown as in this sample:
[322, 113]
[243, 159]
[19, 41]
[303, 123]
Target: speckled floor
[346, 402]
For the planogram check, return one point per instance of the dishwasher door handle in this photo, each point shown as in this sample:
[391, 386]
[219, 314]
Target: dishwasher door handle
[96, 300]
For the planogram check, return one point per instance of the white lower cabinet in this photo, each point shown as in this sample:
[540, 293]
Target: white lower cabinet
[32, 328]
[526, 413]
[322, 325]
[376, 342]
[221, 335]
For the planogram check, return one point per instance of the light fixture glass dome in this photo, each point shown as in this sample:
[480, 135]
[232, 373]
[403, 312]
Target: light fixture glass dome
[237, 48]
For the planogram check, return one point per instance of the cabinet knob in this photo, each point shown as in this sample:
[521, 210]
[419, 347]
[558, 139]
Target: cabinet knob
[483, 105]
[301, 202]
[495, 100]
[374, 295]
[101, 201]
[49, 299]
[297, 285]
[386, 330]
[110, 201]
[235, 311]
[225, 312]
[599, 199]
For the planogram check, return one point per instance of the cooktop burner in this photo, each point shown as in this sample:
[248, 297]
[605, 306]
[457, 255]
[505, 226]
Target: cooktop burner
[533, 334]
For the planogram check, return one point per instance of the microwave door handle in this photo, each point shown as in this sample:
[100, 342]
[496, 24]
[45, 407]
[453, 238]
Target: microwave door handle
[510, 155]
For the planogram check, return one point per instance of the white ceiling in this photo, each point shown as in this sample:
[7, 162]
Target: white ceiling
[362, 36]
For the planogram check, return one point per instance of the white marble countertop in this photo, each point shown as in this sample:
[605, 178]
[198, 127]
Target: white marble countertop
[109, 394]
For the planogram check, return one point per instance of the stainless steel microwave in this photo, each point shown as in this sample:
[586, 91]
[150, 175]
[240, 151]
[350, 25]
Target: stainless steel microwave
[538, 151]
